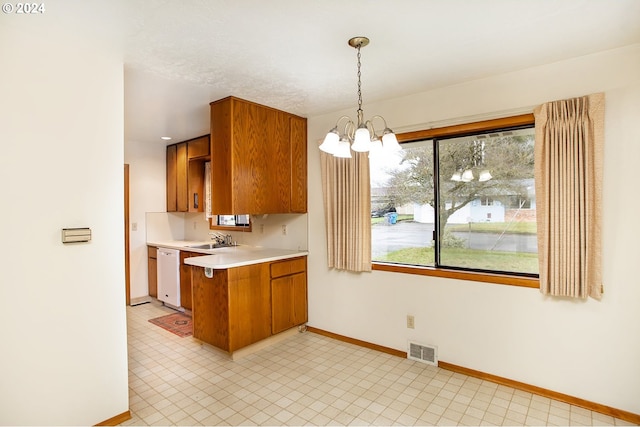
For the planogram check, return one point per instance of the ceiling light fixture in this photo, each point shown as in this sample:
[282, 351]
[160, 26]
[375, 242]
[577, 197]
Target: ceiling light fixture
[362, 136]
[165, 138]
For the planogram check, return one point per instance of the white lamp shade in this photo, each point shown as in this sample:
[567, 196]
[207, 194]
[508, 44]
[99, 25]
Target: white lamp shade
[330, 143]
[343, 150]
[390, 142]
[456, 177]
[467, 175]
[485, 175]
[362, 139]
[376, 148]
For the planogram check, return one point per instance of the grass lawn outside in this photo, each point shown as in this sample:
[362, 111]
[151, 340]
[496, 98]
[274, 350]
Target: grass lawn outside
[524, 227]
[484, 259]
[467, 258]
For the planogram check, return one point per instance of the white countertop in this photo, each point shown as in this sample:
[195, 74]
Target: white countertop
[183, 245]
[229, 257]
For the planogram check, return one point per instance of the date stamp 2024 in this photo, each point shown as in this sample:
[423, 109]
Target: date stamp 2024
[23, 8]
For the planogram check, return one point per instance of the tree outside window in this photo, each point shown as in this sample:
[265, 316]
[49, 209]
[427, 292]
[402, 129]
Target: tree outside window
[477, 190]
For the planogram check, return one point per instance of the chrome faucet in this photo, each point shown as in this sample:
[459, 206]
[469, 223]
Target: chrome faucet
[222, 239]
[219, 238]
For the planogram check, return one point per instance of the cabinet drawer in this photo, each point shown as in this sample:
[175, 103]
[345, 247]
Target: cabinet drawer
[287, 267]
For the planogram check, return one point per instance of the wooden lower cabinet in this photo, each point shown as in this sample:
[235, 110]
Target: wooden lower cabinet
[152, 270]
[235, 307]
[288, 294]
[186, 300]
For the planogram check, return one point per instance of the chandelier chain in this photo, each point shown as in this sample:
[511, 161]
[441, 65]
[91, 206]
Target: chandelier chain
[359, 90]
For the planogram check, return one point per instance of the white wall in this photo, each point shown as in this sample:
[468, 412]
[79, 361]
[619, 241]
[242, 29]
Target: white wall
[587, 349]
[64, 347]
[266, 230]
[147, 193]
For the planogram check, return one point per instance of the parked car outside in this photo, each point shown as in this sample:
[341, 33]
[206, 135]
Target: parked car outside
[378, 213]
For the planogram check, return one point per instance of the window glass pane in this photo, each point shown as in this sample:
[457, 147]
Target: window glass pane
[229, 220]
[402, 215]
[487, 202]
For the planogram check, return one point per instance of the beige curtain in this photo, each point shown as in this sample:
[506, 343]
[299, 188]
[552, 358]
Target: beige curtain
[568, 179]
[347, 209]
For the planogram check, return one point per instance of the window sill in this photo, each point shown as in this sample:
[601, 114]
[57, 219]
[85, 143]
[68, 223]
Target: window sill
[498, 279]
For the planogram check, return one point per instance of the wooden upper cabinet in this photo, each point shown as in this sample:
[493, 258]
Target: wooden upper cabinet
[182, 190]
[198, 147]
[172, 179]
[259, 159]
[185, 174]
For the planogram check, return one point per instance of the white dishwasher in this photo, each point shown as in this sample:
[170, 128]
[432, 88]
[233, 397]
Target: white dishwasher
[169, 276]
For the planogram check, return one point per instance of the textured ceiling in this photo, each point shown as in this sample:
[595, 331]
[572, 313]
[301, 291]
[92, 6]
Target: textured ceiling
[293, 54]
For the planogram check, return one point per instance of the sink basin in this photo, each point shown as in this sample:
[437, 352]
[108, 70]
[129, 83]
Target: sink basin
[208, 246]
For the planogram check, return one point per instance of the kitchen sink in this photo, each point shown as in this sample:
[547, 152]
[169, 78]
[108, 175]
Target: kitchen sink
[209, 246]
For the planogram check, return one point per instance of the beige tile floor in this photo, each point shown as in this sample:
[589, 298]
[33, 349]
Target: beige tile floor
[309, 379]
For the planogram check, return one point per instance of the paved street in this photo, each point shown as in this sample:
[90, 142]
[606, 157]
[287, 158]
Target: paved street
[406, 234]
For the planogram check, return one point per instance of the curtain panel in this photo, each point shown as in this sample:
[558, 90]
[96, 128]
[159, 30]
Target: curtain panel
[568, 178]
[347, 209]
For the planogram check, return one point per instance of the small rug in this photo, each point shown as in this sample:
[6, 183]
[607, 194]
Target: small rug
[177, 323]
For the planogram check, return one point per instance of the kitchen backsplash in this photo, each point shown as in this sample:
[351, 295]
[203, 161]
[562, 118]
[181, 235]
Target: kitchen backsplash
[283, 231]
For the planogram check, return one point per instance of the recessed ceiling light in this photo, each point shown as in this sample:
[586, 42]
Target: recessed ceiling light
[166, 138]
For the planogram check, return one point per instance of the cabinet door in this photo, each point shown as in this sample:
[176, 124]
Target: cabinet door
[211, 308]
[261, 159]
[152, 270]
[196, 186]
[197, 148]
[222, 168]
[172, 179]
[249, 305]
[182, 192]
[289, 302]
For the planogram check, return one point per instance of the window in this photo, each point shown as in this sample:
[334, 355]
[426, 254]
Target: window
[476, 187]
[230, 222]
[233, 220]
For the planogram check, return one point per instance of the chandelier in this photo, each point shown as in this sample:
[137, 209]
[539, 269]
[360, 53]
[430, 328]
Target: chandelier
[362, 136]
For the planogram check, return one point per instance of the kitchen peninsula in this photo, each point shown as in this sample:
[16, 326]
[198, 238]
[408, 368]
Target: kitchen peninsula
[241, 255]
[243, 294]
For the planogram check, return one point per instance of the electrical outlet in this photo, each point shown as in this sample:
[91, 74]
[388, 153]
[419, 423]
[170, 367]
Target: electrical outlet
[284, 230]
[411, 322]
[261, 228]
[134, 226]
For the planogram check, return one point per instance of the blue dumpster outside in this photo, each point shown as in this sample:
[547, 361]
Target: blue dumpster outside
[392, 217]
